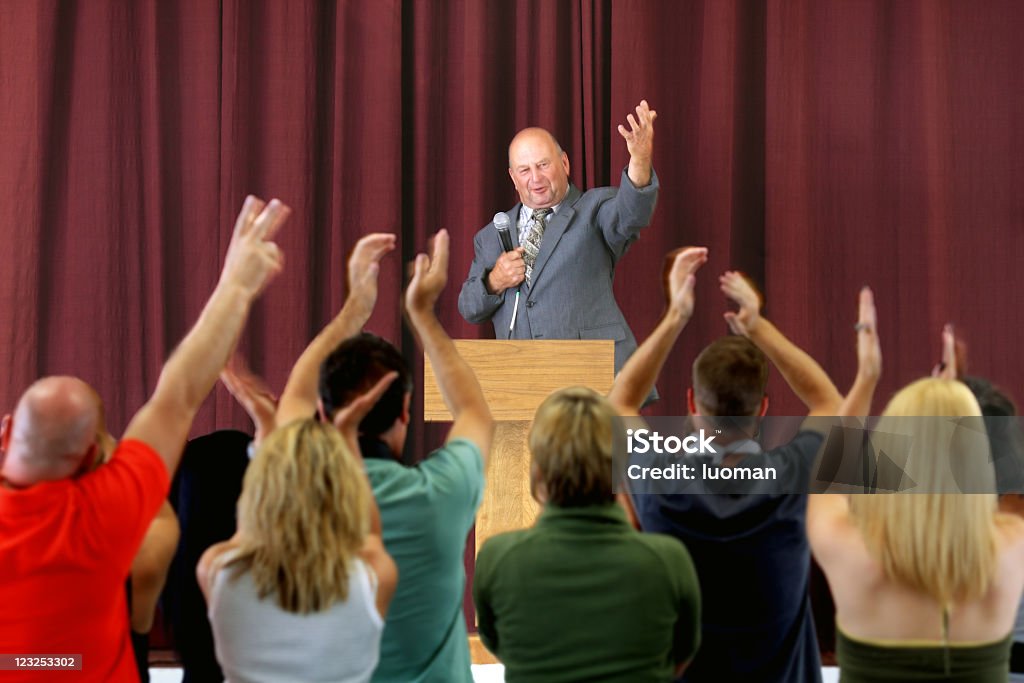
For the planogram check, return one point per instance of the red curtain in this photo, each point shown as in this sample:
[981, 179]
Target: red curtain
[816, 145]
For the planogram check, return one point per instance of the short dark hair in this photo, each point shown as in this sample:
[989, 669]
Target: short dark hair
[991, 399]
[729, 377]
[1004, 434]
[355, 366]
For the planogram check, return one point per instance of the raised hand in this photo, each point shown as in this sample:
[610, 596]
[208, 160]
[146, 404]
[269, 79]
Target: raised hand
[949, 366]
[348, 418]
[430, 274]
[253, 259]
[869, 350]
[364, 268]
[640, 135]
[680, 280]
[252, 393]
[738, 289]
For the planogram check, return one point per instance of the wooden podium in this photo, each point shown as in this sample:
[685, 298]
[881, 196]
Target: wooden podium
[516, 376]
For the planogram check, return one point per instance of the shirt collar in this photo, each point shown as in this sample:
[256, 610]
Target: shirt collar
[738, 447]
[372, 447]
[605, 512]
[526, 213]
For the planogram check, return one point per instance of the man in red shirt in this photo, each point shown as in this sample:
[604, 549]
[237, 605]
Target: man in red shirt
[68, 533]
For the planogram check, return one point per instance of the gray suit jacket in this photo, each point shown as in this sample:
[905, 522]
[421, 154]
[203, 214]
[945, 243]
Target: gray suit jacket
[570, 295]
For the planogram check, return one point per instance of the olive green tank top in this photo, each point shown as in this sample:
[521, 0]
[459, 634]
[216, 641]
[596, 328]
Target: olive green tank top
[862, 661]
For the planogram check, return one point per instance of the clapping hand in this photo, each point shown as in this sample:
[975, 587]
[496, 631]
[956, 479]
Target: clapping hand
[430, 274]
[681, 266]
[364, 267]
[869, 350]
[738, 288]
[253, 394]
[348, 418]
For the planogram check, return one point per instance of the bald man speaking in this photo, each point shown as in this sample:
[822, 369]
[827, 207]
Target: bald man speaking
[555, 280]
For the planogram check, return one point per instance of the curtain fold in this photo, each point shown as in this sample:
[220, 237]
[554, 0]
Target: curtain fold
[817, 146]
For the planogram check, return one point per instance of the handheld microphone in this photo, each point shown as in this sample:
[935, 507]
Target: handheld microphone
[501, 224]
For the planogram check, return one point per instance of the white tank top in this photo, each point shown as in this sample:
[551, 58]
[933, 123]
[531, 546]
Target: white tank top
[258, 641]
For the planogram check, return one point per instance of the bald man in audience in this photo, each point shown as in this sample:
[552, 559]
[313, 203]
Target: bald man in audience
[69, 533]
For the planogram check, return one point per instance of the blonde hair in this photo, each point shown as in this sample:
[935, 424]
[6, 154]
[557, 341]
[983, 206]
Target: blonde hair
[571, 443]
[303, 516]
[939, 542]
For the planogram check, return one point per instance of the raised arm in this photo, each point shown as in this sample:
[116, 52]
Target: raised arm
[640, 143]
[373, 552]
[189, 374]
[299, 398]
[869, 359]
[802, 373]
[459, 387]
[954, 362]
[634, 381]
[830, 529]
[347, 421]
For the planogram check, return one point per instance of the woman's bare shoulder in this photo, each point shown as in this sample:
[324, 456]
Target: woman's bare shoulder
[1010, 532]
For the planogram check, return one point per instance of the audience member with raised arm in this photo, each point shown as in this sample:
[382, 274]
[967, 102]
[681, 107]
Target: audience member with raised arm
[69, 532]
[581, 595]
[148, 573]
[926, 582]
[301, 590]
[750, 551]
[426, 510]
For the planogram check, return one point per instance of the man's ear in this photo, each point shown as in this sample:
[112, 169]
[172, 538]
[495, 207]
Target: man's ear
[5, 438]
[537, 488]
[691, 405]
[321, 413]
[764, 407]
[405, 416]
[565, 162]
[88, 462]
[5, 433]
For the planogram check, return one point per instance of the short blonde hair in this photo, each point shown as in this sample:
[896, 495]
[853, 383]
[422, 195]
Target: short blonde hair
[303, 515]
[940, 543]
[571, 443]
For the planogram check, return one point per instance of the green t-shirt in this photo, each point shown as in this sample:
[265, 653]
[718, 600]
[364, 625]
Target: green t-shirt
[582, 596]
[426, 513]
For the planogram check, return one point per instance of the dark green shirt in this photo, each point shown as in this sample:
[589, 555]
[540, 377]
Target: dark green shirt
[582, 596]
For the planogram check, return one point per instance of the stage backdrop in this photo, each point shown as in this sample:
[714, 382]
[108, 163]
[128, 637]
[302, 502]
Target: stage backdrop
[818, 146]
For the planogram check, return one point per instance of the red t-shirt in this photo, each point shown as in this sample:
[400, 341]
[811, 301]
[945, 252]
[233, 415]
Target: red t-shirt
[66, 548]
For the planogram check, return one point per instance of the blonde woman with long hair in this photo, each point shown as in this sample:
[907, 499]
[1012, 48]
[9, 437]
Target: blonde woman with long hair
[300, 592]
[926, 585]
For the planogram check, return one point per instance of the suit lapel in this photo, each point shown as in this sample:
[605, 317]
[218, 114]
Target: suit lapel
[557, 225]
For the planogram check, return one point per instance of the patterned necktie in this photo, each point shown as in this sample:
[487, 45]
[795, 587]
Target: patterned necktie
[531, 245]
